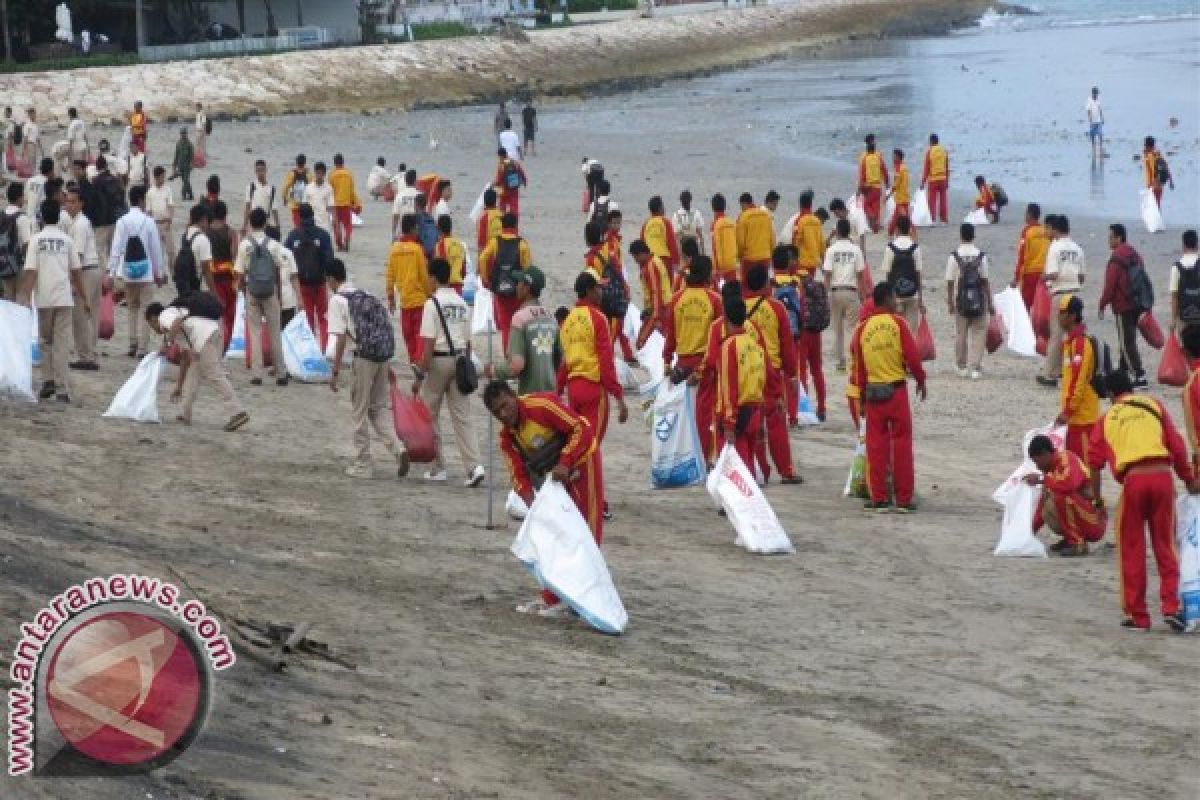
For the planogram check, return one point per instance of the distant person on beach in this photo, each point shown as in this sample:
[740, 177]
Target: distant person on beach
[843, 275]
[319, 195]
[405, 200]
[688, 222]
[160, 204]
[872, 180]
[139, 122]
[986, 200]
[1064, 274]
[378, 179]
[1185, 276]
[1155, 170]
[31, 141]
[969, 301]
[1095, 117]
[260, 194]
[1118, 292]
[724, 242]
[294, 186]
[453, 250]
[445, 193]
[529, 122]
[506, 254]
[408, 275]
[181, 165]
[508, 181]
[755, 235]
[345, 202]
[602, 204]
[593, 175]
[511, 142]
[936, 175]
[260, 257]
[902, 267]
[499, 119]
[311, 247]
[202, 126]
[136, 259]
[659, 235]
[900, 193]
[491, 221]
[224, 243]
[77, 136]
[1031, 255]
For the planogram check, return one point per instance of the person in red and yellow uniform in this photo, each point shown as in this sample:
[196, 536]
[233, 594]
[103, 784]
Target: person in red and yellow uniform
[1031, 255]
[1190, 339]
[1150, 157]
[596, 260]
[724, 239]
[491, 221]
[530, 425]
[808, 237]
[345, 202]
[588, 374]
[771, 318]
[452, 250]
[408, 272]
[901, 191]
[1079, 404]
[741, 368]
[755, 235]
[883, 348]
[986, 200]
[1068, 506]
[506, 244]
[1138, 441]
[659, 234]
[656, 288]
[872, 180]
[936, 174]
[138, 127]
[508, 171]
[688, 320]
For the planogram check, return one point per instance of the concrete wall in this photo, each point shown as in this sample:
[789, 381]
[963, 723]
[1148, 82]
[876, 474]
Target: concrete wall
[337, 15]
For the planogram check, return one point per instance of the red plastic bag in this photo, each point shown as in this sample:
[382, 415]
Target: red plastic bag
[1173, 369]
[106, 321]
[1040, 313]
[414, 424]
[174, 354]
[925, 345]
[1042, 345]
[1150, 330]
[388, 193]
[586, 202]
[996, 333]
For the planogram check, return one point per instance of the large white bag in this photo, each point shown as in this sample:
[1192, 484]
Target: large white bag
[651, 359]
[977, 217]
[920, 210]
[1016, 532]
[137, 399]
[632, 323]
[625, 375]
[237, 340]
[477, 209]
[16, 357]
[1187, 539]
[889, 207]
[784, 235]
[858, 217]
[302, 353]
[35, 349]
[734, 489]
[1011, 308]
[805, 413]
[1152, 216]
[556, 545]
[483, 314]
[675, 456]
[514, 506]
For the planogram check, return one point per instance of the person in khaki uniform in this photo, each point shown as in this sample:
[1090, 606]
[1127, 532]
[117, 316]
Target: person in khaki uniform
[445, 313]
[83, 322]
[369, 394]
[970, 324]
[52, 269]
[843, 268]
[160, 205]
[136, 259]
[262, 308]
[200, 348]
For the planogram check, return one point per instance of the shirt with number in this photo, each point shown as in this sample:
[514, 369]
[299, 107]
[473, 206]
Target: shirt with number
[79, 228]
[458, 319]
[52, 256]
[1064, 266]
[844, 262]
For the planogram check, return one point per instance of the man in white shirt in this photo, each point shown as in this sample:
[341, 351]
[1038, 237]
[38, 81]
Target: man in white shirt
[511, 142]
[445, 190]
[969, 300]
[378, 178]
[200, 348]
[1064, 274]
[21, 226]
[902, 267]
[261, 302]
[137, 260]
[201, 129]
[1187, 311]
[35, 189]
[843, 268]
[139, 170]
[688, 222]
[76, 136]
[160, 204]
[31, 143]
[858, 230]
[446, 312]
[260, 194]
[405, 202]
[52, 270]
[1095, 116]
[196, 238]
[84, 315]
[369, 389]
[319, 195]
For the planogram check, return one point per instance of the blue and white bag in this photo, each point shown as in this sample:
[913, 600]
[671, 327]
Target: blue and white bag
[237, 340]
[302, 353]
[675, 456]
[805, 413]
[1187, 540]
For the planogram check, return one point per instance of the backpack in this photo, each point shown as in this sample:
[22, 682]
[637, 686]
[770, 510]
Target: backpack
[815, 315]
[1141, 290]
[968, 300]
[999, 195]
[686, 227]
[200, 303]
[1189, 293]
[614, 292]
[112, 199]
[505, 266]
[10, 256]
[137, 264]
[261, 276]
[18, 133]
[374, 340]
[299, 184]
[794, 305]
[310, 264]
[903, 275]
[1101, 367]
[184, 269]
[600, 213]
[512, 176]
[1162, 172]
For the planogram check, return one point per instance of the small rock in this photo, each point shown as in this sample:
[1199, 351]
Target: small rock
[326, 719]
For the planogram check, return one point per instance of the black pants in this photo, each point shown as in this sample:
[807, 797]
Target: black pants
[1127, 336]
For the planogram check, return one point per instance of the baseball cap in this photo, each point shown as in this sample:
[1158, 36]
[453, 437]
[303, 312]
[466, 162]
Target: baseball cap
[1070, 303]
[534, 277]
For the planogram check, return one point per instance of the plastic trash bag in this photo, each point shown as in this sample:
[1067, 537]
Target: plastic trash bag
[1173, 369]
[477, 209]
[889, 207]
[302, 353]
[1152, 216]
[625, 375]
[733, 488]
[1019, 337]
[921, 217]
[977, 217]
[237, 341]
[651, 359]
[632, 323]
[1016, 531]
[856, 214]
[856, 481]
[137, 399]
[483, 314]
[925, 344]
[806, 414]
[414, 424]
[557, 546]
[106, 321]
[1151, 331]
[470, 288]
[514, 506]
[675, 456]
[16, 357]
[35, 346]
[996, 333]
[784, 235]
[1187, 540]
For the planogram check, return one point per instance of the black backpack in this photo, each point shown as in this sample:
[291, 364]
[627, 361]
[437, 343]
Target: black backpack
[112, 199]
[184, 273]
[816, 305]
[506, 266]
[614, 294]
[200, 303]
[789, 296]
[18, 133]
[207, 126]
[310, 263]
[1141, 289]
[10, 255]
[1101, 366]
[1162, 172]
[1189, 293]
[903, 275]
[969, 300]
[600, 213]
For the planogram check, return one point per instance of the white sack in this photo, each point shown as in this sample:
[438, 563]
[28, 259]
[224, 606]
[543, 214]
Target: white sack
[1152, 216]
[651, 359]
[675, 456]
[16, 357]
[1020, 338]
[977, 217]
[137, 399]
[1187, 539]
[302, 352]
[1016, 532]
[806, 413]
[237, 340]
[734, 488]
[920, 210]
[483, 314]
[477, 209]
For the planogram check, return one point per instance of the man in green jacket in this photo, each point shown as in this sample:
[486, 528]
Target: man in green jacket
[182, 163]
[533, 348]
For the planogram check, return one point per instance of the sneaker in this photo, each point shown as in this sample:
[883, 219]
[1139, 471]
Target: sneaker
[1130, 625]
[556, 611]
[882, 507]
[402, 463]
[1140, 382]
[976, 374]
[608, 515]
[907, 508]
[962, 372]
[282, 381]
[438, 476]
[63, 398]
[1176, 622]
[476, 477]
[535, 606]
[1049, 383]
[236, 421]
[85, 366]
[1073, 550]
[1058, 546]
[821, 415]
[360, 471]
[132, 351]
[791, 480]
[256, 381]
[47, 391]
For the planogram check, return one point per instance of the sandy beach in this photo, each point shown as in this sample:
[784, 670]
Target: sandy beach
[890, 657]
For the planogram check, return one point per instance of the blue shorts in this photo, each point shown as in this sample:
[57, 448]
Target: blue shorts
[1096, 130]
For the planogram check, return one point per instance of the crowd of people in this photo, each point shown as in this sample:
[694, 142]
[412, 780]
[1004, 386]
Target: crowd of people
[741, 306]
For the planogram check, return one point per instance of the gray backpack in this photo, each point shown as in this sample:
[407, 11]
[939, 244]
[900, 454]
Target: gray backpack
[260, 273]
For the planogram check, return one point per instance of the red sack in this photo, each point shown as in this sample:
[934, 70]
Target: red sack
[414, 424]
[174, 354]
[1042, 344]
[996, 333]
[106, 321]
[925, 345]
[1040, 313]
[1150, 330]
[199, 160]
[1173, 369]
[586, 202]
[389, 192]
[428, 186]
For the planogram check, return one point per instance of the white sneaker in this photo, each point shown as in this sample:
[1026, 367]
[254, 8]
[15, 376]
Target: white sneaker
[976, 374]
[962, 372]
[476, 477]
[360, 471]
[436, 477]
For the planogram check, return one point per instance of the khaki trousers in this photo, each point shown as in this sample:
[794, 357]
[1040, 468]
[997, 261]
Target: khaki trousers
[206, 364]
[970, 338]
[54, 326]
[369, 403]
[844, 306]
[439, 386]
[1052, 366]
[910, 309]
[170, 246]
[83, 323]
[256, 311]
[104, 237]
[137, 297]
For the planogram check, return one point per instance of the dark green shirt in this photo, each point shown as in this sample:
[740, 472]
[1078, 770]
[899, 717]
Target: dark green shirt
[534, 337]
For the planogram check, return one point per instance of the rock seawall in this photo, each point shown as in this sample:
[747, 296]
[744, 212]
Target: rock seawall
[461, 71]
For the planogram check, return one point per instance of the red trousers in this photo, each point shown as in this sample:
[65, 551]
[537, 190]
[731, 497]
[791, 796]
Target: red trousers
[746, 438]
[938, 201]
[1078, 437]
[855, 406]
[889, 447]
[1073, 517]
[503, 309]
[1158, 196]
[1029, 284]
[509, 201]
[587, 490]
[589, 400]
[775, 427]
[1147, 500]
[223, 286]
[808, 350]
[410, 328]
[901, 210]
[316, 304]
[343, 225]
[296, 217]
[706, 397]
[871, 197]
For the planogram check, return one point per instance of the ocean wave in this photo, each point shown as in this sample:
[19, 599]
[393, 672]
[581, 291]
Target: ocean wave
[1034, 17]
